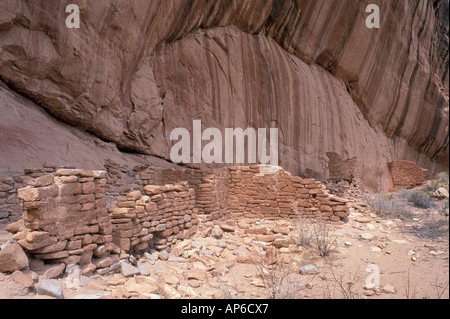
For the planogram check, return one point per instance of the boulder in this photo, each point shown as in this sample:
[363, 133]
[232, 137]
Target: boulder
[16, 226]
[128, 270]
[12, 258]
[216, 232]
[309, 270]
[52, 288]
[54, 271]
[441, 193]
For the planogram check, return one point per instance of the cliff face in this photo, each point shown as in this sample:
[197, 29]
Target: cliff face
[137, 69]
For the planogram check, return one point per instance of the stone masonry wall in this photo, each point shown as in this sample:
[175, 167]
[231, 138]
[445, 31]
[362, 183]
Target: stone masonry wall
[275, 193]
[9, 203]
[279, 194]
[159, 217]
[10, 182]
[212, 198]
[406, 174]
[65, 216]
[343, 169]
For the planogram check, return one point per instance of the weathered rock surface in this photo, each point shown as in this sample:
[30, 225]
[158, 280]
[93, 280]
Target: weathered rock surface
[136, 70]
[31, 137]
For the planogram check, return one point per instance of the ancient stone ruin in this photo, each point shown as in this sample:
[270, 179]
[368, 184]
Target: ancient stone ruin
[73, 216]
[406, 174]
[91, 109]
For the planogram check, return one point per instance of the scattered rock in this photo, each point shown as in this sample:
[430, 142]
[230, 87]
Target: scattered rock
[389, 289]
[227, 228]
[216, 232]
[363, 220]
[280, 242]
[144, 268]
[152, 296]
[171, 280]
[149, 257]
[94, 295]
[369, 293]
[73, 277]
[256, 230]
[169, 292]
[51, 287]
[97, 283]
[16, 226]
[257, 282]
[174, 259]
[128, 270]
[441, 193]
[163, 255]
[389, 223]
[309, 270]
[187, 292]
[197, 274]
[54, 271]
[116, 280]
[366, 236]
[240, 251]
[221, 245]
[132, 260]
[23, 279]
[12, 258]
[280, 230]
[181, 247]
[400, 241]
[103, 262]
[88, 269]
[197, 245]
[258, 243]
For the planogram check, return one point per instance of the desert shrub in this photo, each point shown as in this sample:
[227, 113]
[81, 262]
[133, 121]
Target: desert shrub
[431, 226]
[418, 198]
[324, 237]
[432, 187]
[443, 178]
[305, 231]
[388, 205]
[346, 284]
[444, 209]
[315, 232]
[278, 278]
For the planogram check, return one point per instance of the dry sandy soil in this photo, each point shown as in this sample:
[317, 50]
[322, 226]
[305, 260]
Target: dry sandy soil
[412, 257]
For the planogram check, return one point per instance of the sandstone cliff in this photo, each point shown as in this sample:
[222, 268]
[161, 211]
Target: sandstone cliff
[137, 69]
